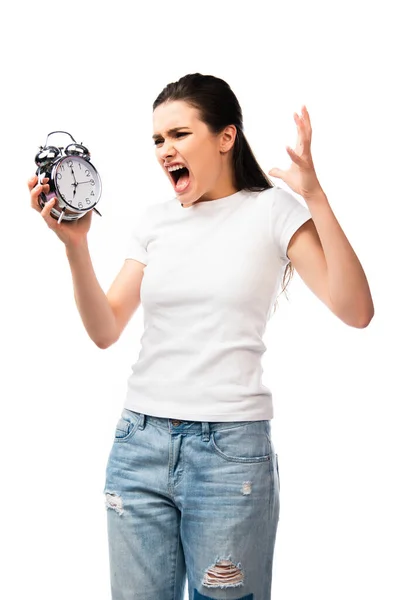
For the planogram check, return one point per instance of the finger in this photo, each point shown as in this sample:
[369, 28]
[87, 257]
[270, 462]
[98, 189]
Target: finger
[32, 182]
[306, 114]
[293, 155]
[41, 186]
[305, 117]
[45, 212]
[35, 193]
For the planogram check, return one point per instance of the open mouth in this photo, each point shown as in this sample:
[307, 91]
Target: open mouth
[180, 178]
[178, 174]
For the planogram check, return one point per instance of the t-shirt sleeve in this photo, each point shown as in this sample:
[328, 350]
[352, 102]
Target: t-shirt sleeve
[137, 244]
[287, 215]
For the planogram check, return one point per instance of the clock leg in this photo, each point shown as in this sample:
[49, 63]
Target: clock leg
[60, 218]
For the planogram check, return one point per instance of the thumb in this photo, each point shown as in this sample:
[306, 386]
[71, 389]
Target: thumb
[275, 173]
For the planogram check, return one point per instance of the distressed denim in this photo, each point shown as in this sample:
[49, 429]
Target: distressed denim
[191, 500]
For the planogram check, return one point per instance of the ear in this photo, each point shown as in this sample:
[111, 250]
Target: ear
[227, 139]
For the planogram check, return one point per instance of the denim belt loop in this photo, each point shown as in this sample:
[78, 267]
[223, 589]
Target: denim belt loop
[205, 427]
[142, 421]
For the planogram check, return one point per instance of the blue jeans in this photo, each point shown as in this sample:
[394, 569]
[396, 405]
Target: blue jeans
[191, 499]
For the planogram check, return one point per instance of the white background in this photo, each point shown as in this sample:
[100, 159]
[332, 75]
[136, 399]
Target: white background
[94, 69]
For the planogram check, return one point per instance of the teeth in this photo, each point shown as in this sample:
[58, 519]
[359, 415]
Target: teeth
[175, 168]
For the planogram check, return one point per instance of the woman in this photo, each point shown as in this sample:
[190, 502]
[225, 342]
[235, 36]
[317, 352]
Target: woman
[192, 480]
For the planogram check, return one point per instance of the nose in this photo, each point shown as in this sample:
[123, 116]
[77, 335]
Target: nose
[167, 150]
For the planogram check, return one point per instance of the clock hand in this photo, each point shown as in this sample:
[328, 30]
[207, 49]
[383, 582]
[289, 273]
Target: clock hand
[75, 186]
[73, 175]
[79, 182]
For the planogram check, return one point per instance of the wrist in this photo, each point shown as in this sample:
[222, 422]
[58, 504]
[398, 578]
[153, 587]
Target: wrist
[78, 247]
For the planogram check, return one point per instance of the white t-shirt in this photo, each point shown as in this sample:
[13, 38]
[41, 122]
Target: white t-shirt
[213, 272]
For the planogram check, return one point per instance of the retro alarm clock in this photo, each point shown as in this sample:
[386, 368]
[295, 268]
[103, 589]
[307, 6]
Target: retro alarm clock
[73, 180]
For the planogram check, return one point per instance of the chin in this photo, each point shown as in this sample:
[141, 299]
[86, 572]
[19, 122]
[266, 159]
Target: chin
[188, 199]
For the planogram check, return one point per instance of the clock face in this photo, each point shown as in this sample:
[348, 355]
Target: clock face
[77, 182]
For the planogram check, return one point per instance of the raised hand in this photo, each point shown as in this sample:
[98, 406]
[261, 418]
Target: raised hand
[301, 176]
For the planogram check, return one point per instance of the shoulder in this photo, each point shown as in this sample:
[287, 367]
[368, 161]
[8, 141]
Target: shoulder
[284, 204]
[277, 198]
[280, 197]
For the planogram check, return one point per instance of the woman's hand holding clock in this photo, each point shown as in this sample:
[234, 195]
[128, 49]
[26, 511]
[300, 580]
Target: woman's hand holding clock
[71, 233]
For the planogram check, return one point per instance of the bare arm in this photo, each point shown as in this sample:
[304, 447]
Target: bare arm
[95, 310]
[104, 316]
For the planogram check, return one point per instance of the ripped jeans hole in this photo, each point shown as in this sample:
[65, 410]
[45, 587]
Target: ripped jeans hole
[223, 574]
[114, 502]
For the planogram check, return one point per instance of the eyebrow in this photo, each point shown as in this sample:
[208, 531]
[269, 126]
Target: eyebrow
[173, 130]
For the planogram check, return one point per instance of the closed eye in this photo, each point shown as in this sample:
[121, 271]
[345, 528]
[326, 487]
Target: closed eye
[179, 134]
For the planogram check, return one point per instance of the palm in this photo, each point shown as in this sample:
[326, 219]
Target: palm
[73, 231]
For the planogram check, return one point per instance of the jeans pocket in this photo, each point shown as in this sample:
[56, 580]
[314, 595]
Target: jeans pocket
[126, 426]
[245, 443]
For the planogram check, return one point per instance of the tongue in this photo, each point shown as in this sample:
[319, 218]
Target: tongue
[183, 182]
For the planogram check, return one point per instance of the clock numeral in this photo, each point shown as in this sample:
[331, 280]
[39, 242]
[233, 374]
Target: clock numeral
[92, 181]
[62, 196]
[70, 163]
[62, 167]
[87, 173]
[59, 176]
[92, 193]
[80, 166]
[87, 200]
[80, 205]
